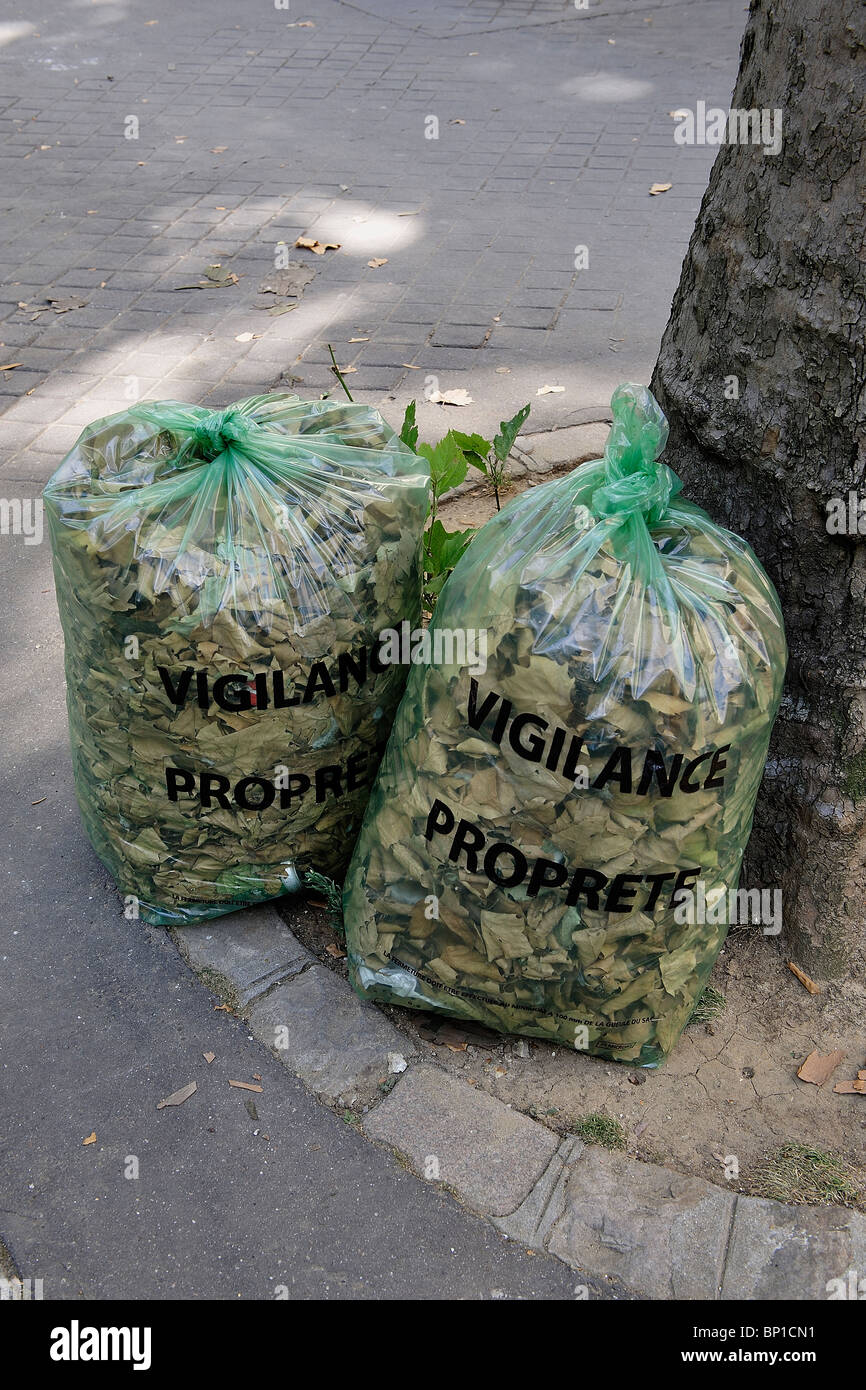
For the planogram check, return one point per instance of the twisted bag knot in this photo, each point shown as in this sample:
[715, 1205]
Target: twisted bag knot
[219, 430]
[634, 480]
[639, 492]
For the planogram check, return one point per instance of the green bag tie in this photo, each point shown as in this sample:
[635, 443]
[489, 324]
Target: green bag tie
[220, 430]
[635, 482]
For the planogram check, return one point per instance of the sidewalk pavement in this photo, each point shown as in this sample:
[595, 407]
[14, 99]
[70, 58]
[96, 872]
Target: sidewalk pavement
[257, 125]
[254, 126]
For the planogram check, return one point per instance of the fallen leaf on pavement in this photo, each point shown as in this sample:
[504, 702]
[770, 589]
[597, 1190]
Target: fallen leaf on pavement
[377, 261]
[333, 950]
[10, 366]
[549, 390]
[660, 188]
[208, 1056]
[292, 280]
[413, 366]
[457, 121]
[178, 1097]
[850, 1088]
[460, 396]
[222, 1008]
[63, 304]
[817, 1069]
[804, 978]
[91, 1138]
[216, 277]
[246, 1086]
[219, 149]
[308, 243]
[246, 337]
[359, 340]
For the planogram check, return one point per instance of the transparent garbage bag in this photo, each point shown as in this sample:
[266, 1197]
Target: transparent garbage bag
[552, 841]
[222, 578]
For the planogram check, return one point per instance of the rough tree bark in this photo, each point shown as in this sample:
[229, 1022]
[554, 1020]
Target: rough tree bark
[772, 293]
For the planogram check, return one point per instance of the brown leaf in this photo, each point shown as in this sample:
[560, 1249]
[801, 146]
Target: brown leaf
[459, 396]
[660, 188]
[308, 243]
[377, 261]
[334, 950]
[454, 1038]
[804, 978]
[63, 304]
[246, 1086]
[178, 1097]
[91, 1138]
[817, 1069]
[850, 1088]
[292, 280]
[10, 366]
[208, 1056]
[359, 340]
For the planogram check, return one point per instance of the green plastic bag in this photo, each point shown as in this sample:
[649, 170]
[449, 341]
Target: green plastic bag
[538, 828]
[222, 579]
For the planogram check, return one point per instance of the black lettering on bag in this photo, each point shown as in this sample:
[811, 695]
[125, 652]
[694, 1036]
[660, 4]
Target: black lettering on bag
[491, 865]
[268, 793]
[177, 697]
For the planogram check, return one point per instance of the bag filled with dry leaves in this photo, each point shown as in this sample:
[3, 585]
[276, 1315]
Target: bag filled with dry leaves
[222, 579]
[554, 831]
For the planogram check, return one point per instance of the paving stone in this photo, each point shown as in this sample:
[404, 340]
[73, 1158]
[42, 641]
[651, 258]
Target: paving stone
[662, 1234]
[322, 1032]
[243, 954]
[532, 1219]
[782, 1252]
[491, 1155]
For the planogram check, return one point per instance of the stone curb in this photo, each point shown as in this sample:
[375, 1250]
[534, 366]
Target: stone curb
[548, 449]
[649, 1230]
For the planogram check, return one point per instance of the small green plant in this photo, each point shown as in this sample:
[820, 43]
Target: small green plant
[450, 461]
[333, 896]
[601, 1129]
[798, 1173]
[711, 1004]
[489, 458]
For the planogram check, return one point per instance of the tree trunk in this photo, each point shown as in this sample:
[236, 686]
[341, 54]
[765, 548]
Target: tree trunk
[772, 305]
